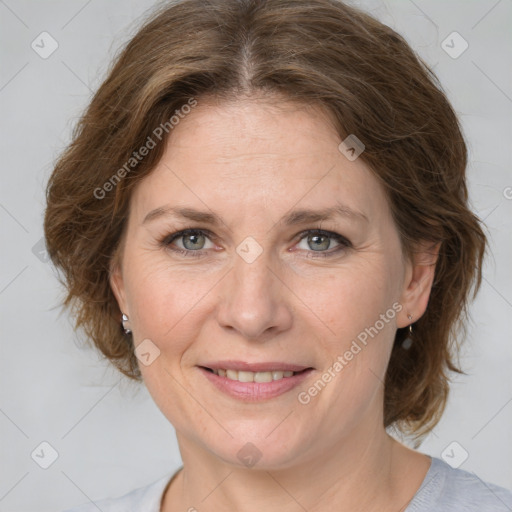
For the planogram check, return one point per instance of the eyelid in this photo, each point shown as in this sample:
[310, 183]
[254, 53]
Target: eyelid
[325, 232]
[182, 232]
[343, 241]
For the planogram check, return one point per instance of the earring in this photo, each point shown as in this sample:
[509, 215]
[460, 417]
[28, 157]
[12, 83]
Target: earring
[406, 344]
[125, 319]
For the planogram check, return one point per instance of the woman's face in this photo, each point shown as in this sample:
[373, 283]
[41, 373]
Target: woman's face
[254, 283]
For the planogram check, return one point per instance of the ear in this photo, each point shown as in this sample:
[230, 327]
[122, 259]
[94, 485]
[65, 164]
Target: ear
[117, 284]
[419, 277]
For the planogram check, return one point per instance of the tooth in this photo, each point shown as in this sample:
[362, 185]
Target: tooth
[246, 376]
[263, 377]
[232, 374]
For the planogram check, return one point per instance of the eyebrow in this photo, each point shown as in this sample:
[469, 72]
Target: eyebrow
[296, 217]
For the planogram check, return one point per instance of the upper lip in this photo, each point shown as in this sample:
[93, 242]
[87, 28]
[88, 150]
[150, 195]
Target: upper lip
[254, 367]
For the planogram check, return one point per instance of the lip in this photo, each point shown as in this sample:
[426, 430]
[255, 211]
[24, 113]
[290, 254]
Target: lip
[254, 367]
[257, 391]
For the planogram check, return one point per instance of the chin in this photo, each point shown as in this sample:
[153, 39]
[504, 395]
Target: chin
[260, 451]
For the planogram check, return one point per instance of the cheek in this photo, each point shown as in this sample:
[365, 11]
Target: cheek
[164, 298]
[350, 299]
[355, 309]
[168, 309]
[358, 307]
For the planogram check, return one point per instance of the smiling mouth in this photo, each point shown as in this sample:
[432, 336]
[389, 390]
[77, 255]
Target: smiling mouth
[248, 376]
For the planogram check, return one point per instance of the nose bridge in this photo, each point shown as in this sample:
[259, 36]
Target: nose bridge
[251, 270]
[252, 299]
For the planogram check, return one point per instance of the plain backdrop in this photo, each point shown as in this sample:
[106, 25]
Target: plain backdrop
[107, 435]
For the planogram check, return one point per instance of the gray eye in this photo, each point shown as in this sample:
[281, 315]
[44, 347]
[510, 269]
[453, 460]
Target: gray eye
[193, 241]
[318, 242]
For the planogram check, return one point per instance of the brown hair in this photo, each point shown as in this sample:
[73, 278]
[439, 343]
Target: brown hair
[315, 52]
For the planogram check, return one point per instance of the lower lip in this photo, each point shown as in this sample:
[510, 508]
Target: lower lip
[255, 391]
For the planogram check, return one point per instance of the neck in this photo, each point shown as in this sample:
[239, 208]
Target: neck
[367, 471]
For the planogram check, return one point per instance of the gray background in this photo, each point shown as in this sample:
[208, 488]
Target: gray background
[109, 435]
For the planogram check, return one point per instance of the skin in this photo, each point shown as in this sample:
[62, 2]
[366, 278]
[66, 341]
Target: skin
[252, 162]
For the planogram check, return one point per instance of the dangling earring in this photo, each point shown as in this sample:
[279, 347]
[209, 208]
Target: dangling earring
[125, 319]
[406, 344]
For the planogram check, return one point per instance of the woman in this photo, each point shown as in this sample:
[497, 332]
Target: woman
[263, 215]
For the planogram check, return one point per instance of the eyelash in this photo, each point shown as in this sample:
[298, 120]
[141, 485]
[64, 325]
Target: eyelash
[167, 240]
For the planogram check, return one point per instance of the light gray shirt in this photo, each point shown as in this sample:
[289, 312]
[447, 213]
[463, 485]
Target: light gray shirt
[444, 489]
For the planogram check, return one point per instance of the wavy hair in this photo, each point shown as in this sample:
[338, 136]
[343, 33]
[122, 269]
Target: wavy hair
[314, 52]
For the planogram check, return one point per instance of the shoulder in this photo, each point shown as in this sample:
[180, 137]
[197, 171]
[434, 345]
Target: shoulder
[145, 498]
[446, 489]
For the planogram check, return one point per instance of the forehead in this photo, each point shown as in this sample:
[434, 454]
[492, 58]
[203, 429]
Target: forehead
[254, 127]
[256, 153]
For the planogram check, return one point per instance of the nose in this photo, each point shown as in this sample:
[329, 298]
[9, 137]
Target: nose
[255, 301]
